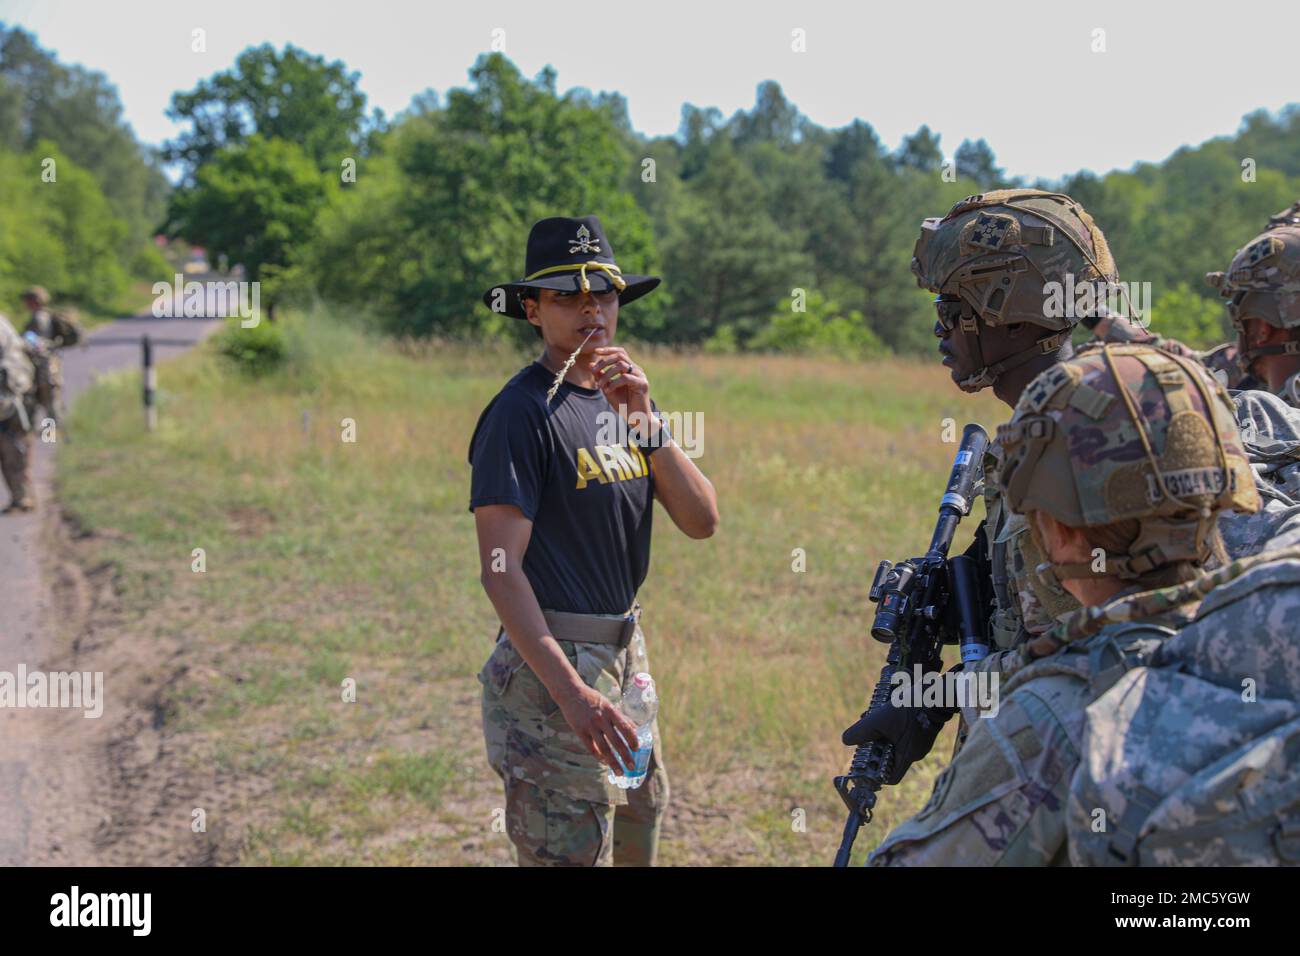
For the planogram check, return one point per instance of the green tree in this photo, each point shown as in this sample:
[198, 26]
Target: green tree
[822, 326]
[61, 234]
[445, 209]
[976, 161]
[255, 203]
[920, 151]
[78, 111]
[728, 260]
[290, 95]
[1189, 317]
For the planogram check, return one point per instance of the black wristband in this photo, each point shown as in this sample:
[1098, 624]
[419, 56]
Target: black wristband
[648, 445]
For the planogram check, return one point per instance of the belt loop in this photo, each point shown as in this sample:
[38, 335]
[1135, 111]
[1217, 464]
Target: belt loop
[630, 625]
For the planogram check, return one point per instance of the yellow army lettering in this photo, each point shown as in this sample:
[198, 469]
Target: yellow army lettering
[617, 463]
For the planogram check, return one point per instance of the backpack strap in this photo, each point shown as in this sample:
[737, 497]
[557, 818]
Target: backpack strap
[1114, 654]
[1123, 845]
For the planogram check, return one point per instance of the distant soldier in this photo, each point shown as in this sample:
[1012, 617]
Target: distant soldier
[17, 406]
[1220, 360]
[1262, 286]
[1225, 360]
[47, 332]
[1120, 459]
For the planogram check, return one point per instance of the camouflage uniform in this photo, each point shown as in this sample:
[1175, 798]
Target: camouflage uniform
[1221, 360]
[1225, 362]
[46, 359]
[1119, 433]
[16, 410]
[1227, 794]
[1263, 283]
[997, 251]
[983, 242]
[561, 809]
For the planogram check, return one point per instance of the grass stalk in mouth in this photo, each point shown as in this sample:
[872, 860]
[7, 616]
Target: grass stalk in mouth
[573, 357]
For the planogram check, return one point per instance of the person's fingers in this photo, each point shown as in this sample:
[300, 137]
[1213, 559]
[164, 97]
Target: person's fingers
[625, 753]
[622, 741]
[635, 380]
[626, 727]
[860, 733]
[888, 724]
[613, 363]
[603, 751]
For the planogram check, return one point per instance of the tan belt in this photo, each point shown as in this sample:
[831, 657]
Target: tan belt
[614, 629]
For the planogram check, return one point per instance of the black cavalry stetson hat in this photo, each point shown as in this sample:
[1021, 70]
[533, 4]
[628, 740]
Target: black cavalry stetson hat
[569, 255]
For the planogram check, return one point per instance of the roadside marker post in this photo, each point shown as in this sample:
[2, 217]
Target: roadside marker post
[150, 385]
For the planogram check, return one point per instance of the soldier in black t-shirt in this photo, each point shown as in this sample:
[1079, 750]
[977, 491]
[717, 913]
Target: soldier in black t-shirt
[563, 499]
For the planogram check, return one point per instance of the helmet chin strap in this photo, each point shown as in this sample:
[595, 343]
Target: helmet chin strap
[987, 375]
[1248, 356]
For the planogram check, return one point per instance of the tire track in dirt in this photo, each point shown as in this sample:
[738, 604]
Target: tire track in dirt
[56, 779]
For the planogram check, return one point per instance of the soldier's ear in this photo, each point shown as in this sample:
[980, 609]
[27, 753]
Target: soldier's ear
[1063, 543]
[1266, 334]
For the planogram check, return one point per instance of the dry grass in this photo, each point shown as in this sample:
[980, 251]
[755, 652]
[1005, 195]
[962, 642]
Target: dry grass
[328, 560]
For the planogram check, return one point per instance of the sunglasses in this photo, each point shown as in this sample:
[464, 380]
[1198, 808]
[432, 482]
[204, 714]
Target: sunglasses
[949, 309]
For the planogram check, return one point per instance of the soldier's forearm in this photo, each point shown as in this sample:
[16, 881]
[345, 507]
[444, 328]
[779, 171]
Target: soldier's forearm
[516, 605]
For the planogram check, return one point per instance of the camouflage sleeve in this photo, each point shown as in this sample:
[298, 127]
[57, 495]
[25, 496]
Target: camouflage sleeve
[1002, 800]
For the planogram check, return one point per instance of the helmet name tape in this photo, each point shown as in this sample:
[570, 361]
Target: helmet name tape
[1192, 481]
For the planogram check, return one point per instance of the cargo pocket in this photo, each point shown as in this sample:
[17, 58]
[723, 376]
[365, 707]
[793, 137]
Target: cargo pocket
[508, 676]
[601, 666]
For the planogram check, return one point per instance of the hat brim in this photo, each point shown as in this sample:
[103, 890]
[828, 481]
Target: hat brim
[636, 287]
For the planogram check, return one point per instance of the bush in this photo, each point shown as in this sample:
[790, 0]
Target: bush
[1190, 318]
[256, 351]
[823, 327]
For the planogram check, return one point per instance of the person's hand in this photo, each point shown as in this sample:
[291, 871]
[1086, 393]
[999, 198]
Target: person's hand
[622, 381]
[601, 726]
[912, 731]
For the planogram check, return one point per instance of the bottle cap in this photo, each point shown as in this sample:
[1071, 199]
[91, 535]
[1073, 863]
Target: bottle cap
[642, 680]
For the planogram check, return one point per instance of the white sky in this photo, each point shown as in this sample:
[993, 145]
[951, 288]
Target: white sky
[1020, 74]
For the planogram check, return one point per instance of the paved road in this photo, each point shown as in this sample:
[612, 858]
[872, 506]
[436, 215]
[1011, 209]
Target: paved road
[24, 592]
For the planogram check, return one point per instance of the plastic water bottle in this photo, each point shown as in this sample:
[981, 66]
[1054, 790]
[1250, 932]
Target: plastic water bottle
[639, 705]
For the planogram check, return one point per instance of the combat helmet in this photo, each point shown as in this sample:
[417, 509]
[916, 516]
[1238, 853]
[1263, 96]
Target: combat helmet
[1290, 216]
[1263, 282]
[1122, 432]
[38, 293]
[993, 255]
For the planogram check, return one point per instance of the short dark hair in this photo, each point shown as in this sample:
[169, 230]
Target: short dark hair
[536, 297]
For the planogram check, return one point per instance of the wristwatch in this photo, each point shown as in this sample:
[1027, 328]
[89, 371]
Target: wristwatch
[648, 445]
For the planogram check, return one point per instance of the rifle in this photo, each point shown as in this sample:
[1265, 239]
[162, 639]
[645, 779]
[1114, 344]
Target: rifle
[921, 605]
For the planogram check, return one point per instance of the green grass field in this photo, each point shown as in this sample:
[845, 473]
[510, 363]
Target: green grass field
[328, 560]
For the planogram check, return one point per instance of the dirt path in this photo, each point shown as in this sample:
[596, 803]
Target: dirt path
[52, 797]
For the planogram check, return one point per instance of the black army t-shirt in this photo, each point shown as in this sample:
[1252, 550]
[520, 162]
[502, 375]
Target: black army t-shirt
[590, 500]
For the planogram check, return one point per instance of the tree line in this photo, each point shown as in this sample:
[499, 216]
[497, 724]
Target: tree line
[771, 232]
[80, 197]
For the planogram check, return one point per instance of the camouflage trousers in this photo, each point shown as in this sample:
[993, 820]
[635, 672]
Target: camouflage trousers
[561, 809]
[1002, 800]
[16, 459]
[49, 385]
